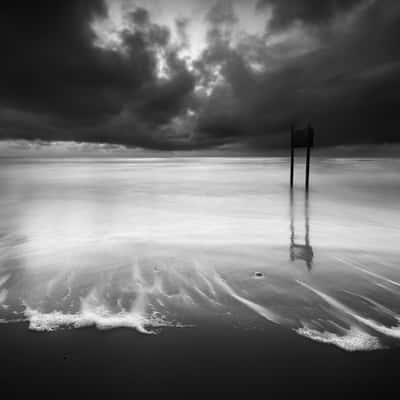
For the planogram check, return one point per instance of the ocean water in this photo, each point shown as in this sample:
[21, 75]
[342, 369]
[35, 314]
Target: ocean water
[153, 244]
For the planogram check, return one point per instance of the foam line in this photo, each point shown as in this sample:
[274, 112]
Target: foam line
[264, 312]
[101, 319]
[377, 305]
[365, 271]
[354, 340]
[384, 287]
[393, 332]
[12, 321]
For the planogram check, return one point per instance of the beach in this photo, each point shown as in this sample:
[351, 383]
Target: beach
[199, 274]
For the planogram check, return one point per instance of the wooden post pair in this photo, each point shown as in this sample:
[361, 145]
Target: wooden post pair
[301, 138]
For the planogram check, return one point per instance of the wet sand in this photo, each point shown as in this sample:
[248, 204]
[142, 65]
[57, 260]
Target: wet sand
[225, 280]
[205, 359]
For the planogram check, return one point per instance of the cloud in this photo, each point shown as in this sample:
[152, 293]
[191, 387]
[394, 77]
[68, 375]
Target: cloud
[222, 13]
[53, 70]
[50, 65]
[334, 63]
[308, 12]
[347, 86]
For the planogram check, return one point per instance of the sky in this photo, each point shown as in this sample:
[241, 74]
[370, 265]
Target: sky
[126, 77]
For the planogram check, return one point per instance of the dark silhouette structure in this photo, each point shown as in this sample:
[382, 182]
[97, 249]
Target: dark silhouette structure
[301, 138]
[301, 251]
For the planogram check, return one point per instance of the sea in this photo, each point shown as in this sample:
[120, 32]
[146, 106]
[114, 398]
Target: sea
[153, 244]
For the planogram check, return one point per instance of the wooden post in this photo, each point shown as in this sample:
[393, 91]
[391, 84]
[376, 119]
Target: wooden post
[303, 138]
[291, 157]
[308, 168]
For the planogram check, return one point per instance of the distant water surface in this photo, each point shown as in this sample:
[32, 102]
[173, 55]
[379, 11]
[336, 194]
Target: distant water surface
[178, 242]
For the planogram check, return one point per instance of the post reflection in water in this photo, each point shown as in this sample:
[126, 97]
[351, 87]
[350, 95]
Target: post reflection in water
[300, 251]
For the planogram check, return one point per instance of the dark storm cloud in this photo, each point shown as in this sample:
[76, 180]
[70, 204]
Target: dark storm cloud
[157, 103]
[348, 87]
[49, 64]
[222, 13]
[334, 63]
[140, 17]
[287, 12]
[51, 68]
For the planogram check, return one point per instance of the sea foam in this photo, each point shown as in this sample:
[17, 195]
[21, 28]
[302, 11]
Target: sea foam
[101, 319]
[354, 339]
[393, 332]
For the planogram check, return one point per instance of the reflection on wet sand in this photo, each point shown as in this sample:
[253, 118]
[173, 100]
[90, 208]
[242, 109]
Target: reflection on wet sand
[105, 265]
[301, 251]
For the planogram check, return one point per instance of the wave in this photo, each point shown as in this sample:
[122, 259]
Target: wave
[354, 339]
[148, 292]
[94, 313]
[393, 332]
[100, 318]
